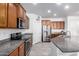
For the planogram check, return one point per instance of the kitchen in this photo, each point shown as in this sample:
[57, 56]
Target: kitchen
[25, 27]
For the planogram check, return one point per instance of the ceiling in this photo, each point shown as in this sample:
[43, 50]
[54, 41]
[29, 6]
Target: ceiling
[42, 9]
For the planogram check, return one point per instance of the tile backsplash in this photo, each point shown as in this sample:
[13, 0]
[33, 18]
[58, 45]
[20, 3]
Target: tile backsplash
[5, 33]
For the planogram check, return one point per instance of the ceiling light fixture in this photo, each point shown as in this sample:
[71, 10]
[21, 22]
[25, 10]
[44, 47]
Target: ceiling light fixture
[67, 7]
[49, 11]
[58, 3]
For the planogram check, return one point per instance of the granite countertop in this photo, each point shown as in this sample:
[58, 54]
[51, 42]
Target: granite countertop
[67, 44]
[26, 36]
[7, 45]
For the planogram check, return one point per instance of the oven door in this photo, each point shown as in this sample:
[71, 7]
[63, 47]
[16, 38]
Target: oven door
[27, 47]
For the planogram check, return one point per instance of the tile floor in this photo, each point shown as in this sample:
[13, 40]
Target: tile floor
[41, 49]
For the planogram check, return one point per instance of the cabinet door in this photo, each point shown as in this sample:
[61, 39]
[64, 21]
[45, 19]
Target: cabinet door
[21, 50]
[20, 11]
[14, 53]
[3, 14]
[58, 25]
[55, 25]
[12, 16]
[30, 42]
[52, 25]
[62, 25]
[26, 22]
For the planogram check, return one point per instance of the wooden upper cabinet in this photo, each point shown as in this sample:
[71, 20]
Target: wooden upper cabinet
[3, 14]
[26, 22]
[20, 11]
[51, 25]
[46, 22]
[57, 25]
[12, 15]
[9, 12]
[62, 25]
[25, 18]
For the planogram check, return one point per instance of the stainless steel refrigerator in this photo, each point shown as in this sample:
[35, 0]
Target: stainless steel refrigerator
[46, 32]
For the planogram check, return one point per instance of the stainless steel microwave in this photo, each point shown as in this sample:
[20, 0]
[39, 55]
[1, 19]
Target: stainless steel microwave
[20, 23]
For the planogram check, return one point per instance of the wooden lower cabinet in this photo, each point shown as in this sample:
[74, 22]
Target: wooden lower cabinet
[18, 51]
[14, 53]
[31, 43]
[21, 50]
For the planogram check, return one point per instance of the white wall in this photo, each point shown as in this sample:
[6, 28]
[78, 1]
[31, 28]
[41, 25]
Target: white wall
[73, 25]
[35, 27]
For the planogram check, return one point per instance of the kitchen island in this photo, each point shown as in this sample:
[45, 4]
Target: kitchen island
[65, 46]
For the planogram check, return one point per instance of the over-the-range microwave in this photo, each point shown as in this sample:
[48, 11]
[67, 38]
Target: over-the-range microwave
[20, 23]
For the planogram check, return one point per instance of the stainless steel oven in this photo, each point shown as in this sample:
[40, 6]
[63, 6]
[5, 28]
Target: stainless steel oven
[27, 47]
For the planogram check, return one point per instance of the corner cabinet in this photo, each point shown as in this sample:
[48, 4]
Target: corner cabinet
[3, 15]
[12, 15]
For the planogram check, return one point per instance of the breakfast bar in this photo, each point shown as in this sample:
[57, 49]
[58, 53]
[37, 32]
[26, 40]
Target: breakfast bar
[65, 45]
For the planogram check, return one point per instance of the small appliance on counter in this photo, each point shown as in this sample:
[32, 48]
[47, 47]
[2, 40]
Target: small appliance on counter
[16, 36]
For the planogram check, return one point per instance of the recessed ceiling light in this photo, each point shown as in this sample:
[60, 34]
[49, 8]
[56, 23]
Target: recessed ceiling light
[67, 7]
[54, 14]
[34, 3]
[49, 11]
[58, 3]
